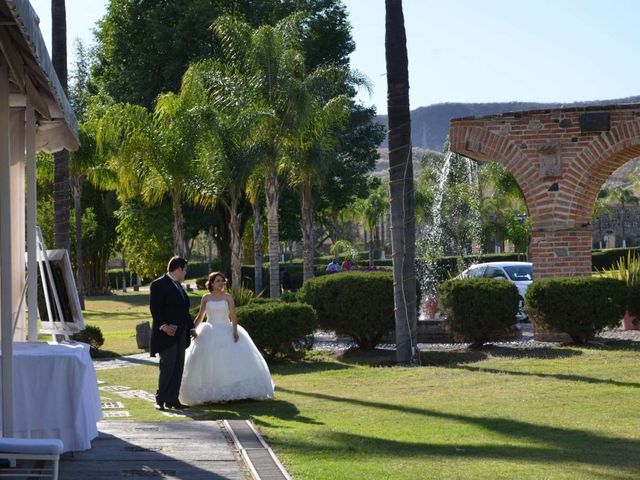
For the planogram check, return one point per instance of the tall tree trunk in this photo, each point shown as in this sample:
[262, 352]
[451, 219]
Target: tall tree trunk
[401, 184]
[179, 247]
[234, 230]
[61, 194]
[371, 262]
[209, 248]
[382, 227]
[76, 189]
[306, 204]
[271, 191]
[257, 246]
[223, 240]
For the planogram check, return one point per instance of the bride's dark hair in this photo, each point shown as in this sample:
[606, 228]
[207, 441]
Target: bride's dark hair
[212, 278]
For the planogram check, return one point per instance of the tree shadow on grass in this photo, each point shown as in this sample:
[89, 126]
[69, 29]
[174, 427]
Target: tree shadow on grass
[556, 376]
[451, 358]
[553, 444]
[618, 345]
[305, 366]
[377, 357]
[256, 411]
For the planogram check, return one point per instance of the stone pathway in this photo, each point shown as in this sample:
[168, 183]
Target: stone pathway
[175, 450]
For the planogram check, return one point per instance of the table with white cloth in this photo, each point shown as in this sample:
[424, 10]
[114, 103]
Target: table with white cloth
[55, 393]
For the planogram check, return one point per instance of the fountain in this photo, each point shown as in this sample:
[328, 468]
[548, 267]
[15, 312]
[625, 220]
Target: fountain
[460, 175]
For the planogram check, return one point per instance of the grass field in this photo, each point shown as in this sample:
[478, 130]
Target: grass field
[504, 413]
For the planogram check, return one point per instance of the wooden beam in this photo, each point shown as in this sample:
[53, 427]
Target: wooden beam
[13, 58]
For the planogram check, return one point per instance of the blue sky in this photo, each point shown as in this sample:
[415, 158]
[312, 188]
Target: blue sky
[478, 51]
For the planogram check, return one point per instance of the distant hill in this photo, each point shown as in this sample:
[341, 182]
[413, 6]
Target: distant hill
[430, 125]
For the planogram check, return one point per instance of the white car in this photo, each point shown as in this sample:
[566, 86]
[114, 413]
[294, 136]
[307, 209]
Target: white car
[518, 273]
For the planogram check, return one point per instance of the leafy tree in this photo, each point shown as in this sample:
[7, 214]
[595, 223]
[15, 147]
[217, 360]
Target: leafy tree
[145, 234]
[153, 154]
[348, 176]
[144, 48]
[401, 183]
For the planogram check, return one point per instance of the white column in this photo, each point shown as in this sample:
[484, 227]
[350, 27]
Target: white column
[6, 300]
[18, 245]
[32, 266]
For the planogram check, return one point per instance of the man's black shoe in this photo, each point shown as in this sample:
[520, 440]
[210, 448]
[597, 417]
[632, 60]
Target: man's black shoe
[178, 406]
[160, 406]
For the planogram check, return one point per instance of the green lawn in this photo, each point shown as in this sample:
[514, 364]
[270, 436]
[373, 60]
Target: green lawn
[552, 413]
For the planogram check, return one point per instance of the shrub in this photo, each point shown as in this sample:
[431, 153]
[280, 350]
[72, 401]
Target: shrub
[358, 304]
[92, 335]
[476, 309]
[279, 329]
[201, 282]
[288, 296]
[241, 295]
[633, 302]
[578, 306]
[627, 270]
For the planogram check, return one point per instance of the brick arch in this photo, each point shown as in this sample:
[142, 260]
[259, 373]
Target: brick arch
[486, 146]
[560, 158]
[482, 144]
[605, 155]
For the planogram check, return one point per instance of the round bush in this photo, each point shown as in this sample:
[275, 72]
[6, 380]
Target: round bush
[92, 335]
[358, 304]
[279, 329]
[477, 309]
[633, 302]
[579, 306]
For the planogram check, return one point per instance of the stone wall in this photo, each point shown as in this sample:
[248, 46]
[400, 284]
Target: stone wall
[609, 229]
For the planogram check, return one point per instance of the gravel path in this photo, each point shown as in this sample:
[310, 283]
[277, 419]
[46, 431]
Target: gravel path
[328, 341]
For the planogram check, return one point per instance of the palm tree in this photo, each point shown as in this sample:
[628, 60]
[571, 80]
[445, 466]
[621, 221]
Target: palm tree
[228, 143]
[62, 234]
[370, 211]
[401, 183]
[271, 58]
[254, 192]
[313, 150]
[152, 154]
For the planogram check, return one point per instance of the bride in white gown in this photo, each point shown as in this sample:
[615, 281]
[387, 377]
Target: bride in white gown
[222, 363]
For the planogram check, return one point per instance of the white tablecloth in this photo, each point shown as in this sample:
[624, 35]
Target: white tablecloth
[55, 393]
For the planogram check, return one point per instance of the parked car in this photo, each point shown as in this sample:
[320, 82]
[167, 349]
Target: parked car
[518, 273]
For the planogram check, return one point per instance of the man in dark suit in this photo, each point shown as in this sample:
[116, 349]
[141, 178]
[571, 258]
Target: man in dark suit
[171, 331]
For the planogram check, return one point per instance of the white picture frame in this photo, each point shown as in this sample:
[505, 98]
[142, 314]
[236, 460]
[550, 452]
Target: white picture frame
[61, 296]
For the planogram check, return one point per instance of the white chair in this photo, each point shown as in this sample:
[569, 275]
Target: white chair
[42, 449]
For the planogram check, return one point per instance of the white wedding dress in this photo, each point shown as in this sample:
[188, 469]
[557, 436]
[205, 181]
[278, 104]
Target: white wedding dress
[218, 369]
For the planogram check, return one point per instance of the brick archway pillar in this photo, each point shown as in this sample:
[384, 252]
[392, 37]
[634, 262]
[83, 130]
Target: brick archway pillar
[560, 158]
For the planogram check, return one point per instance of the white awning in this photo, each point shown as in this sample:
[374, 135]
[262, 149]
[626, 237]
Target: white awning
[31, 72]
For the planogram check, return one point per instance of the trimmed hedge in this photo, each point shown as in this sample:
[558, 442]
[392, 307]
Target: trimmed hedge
[579, 306]
[607, 259]
[279, 329]
[477, 309]
[358, 304]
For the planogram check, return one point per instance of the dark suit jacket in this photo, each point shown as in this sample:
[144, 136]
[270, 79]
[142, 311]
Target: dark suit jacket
[168, 306]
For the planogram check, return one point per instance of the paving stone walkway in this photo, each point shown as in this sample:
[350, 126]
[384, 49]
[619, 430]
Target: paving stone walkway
[172, 450]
